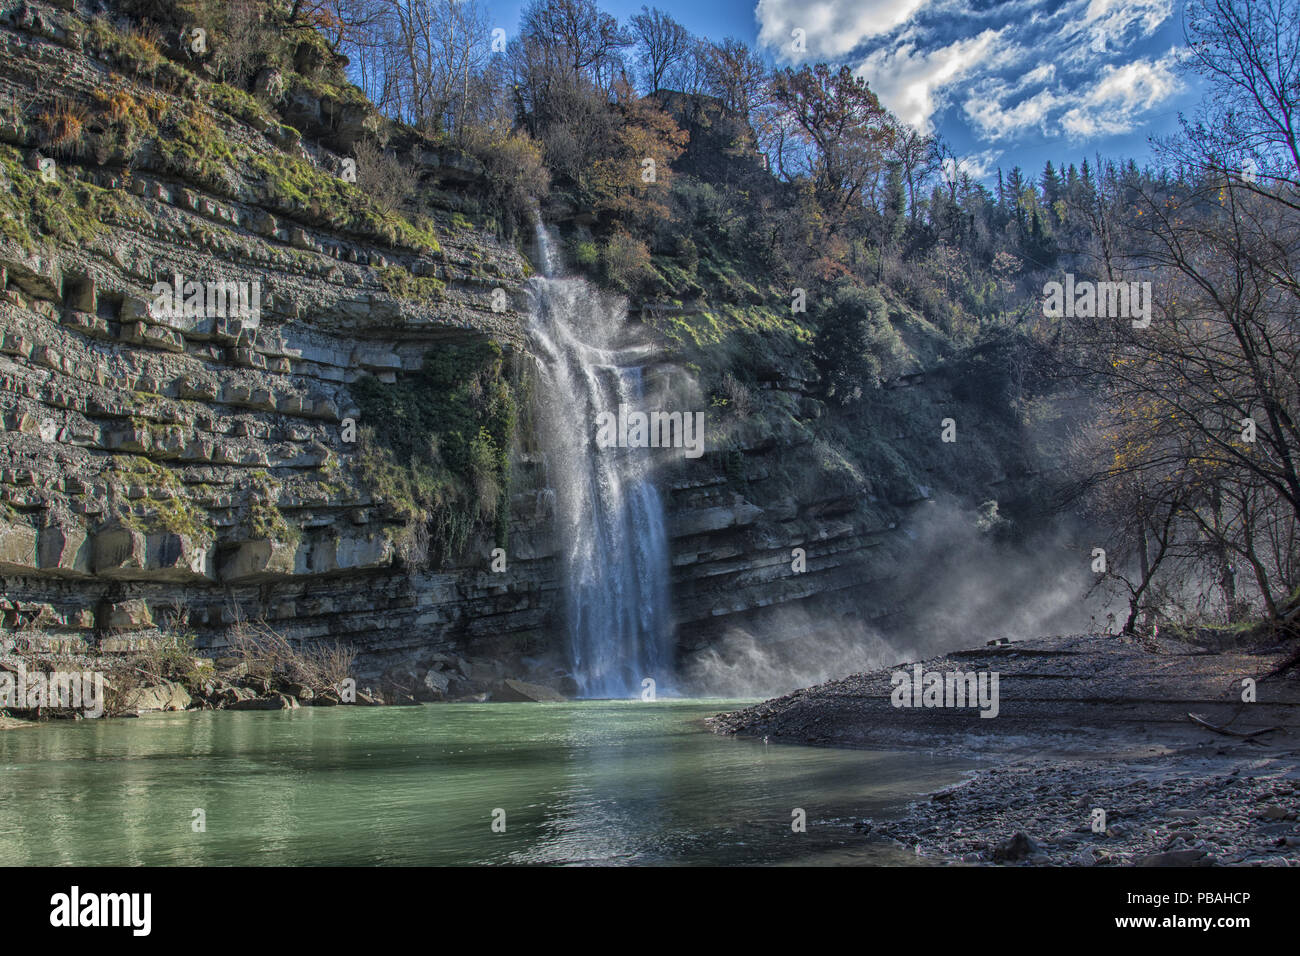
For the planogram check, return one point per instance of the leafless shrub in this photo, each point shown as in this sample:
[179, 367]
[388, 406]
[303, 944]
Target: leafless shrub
[39, 651]
[320, 665]
[413, 545]
[383, 176]
[734, 396]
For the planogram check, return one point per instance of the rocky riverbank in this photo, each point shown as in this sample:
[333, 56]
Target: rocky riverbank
[127, 685]
[1092, 757]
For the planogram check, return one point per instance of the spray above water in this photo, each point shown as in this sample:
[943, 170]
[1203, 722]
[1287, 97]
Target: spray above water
[613, 543]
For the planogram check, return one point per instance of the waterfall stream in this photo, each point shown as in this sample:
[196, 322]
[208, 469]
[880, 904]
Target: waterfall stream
[609, 514]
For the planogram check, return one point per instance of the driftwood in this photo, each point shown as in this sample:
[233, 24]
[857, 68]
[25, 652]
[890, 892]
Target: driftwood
[1231, 733]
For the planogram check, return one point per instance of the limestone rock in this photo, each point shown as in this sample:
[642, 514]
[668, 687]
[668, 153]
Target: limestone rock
[258, 558]
[165, 696]
[125, 615]
[17, 547]
[270, 702]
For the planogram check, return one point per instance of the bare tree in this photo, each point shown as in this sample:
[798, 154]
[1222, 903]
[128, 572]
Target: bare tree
[918, 161]
[1249, 51]
[577, 37]
[661, 43]
[737, 76]
[426, 62]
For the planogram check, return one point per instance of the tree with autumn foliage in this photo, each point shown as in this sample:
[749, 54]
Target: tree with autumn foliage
[630, 180]
[844, 132]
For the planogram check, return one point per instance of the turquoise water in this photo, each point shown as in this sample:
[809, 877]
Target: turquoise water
[610, 782]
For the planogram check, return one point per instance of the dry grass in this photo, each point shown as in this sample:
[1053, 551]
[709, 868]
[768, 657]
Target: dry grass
[38, 651]
[62, 125]
[387, 180]
[320, 665]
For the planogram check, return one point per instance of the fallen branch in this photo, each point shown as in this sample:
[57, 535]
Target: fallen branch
[1289, 663]
[1231, 733]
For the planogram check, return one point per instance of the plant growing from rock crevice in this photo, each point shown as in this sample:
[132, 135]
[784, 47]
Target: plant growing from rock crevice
[435, 446]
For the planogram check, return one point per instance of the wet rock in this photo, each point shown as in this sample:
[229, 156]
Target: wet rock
[1191, 857]
[271, 702]
[300, 691]
[1019, 847]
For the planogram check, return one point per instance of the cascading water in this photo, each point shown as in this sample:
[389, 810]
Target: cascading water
[609, 515]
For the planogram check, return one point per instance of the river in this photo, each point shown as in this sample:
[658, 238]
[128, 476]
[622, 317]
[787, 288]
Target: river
[585, 782]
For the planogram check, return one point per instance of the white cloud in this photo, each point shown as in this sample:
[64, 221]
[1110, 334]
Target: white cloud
[1120, 95]
[1099, 27]
[1113, 103]
[1043, 73]
[1078, 69]
[986, 110]
[833, 28]
[1120, 14]
[910, 83]
[977, 166]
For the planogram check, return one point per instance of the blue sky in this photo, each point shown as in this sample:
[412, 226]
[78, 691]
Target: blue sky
[1005, 82]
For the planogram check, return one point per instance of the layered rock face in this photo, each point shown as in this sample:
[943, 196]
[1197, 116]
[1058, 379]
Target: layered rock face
[775, 535]
[156, 464]
[191, 468]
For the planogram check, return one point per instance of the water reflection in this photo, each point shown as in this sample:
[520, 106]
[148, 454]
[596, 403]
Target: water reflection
[583, 782]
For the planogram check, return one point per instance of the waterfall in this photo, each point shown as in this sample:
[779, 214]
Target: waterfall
[609, 514]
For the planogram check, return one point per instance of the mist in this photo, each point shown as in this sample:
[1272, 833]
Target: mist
[962, 581]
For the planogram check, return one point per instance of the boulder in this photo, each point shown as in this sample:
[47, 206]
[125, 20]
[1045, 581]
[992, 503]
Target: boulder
[433, 686]
[1019, 847]
[168, 695]
[301, 691]
[229, 696]
[270, 702]
[466, 687]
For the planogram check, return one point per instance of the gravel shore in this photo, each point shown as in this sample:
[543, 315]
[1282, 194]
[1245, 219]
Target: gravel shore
[1084, 724]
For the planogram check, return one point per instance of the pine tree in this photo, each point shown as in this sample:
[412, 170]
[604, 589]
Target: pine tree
[1051, 185]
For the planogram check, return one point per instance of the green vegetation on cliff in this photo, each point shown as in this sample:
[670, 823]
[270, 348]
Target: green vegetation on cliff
[435, 445]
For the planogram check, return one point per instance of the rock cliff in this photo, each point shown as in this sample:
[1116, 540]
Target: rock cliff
[195, 467]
